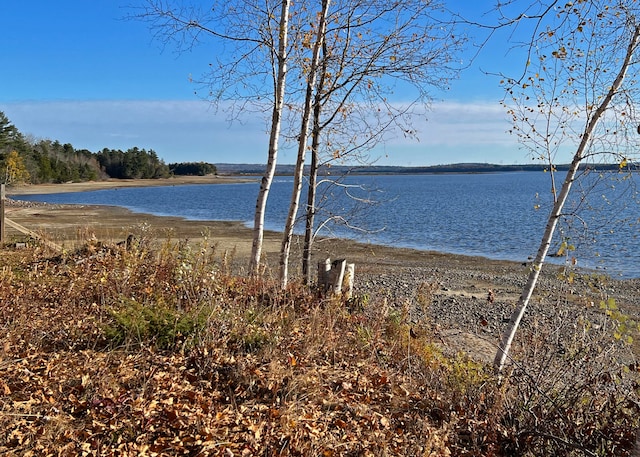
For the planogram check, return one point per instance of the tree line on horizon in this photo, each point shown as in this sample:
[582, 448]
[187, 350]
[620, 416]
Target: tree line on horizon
[46, 161]
[251, 169]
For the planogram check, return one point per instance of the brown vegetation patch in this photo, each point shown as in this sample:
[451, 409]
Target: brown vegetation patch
[159, 348]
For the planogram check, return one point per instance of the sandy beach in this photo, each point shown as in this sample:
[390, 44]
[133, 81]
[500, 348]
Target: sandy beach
[32, 189]
[460, 308]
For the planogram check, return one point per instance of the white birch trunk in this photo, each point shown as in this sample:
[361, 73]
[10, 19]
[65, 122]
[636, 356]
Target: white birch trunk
[285, 249]
[276, 120]
[509, 334]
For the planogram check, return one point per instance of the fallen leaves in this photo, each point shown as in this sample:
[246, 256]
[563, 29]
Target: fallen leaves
[264, 372]
[63, 390]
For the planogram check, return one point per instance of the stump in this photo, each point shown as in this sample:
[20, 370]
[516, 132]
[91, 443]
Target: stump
[336, 278]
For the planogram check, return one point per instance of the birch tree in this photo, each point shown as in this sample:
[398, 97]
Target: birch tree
[276, 121]
[370, 49]
[578, 92]
[249, 70]
[302, 144]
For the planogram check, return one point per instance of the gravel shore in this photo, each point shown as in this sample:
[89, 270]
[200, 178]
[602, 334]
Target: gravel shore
[471, 299]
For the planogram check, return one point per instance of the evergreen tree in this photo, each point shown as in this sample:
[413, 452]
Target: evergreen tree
[47, 161]
[192, 169]
[10, 137]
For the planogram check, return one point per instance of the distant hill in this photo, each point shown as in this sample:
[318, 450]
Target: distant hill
[285, 170]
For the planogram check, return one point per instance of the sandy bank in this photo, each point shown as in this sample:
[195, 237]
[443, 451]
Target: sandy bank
[32, 189]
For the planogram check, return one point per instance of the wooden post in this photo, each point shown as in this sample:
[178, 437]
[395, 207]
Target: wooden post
[347, 282]
[2, 201]
[336, 278]
[323, 276]
[336, 275]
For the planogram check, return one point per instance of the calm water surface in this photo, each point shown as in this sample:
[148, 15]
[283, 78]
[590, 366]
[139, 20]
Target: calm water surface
[500, 216]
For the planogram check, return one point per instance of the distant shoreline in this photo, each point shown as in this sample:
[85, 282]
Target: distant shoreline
[242, 173]
[87, 186]
[456, 168]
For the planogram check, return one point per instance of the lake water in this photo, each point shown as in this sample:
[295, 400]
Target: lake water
[499, 216]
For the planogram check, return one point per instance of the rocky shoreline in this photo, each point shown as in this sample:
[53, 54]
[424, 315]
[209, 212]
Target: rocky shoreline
[472, 299]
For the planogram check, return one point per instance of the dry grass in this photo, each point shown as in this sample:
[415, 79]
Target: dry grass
[160, 349]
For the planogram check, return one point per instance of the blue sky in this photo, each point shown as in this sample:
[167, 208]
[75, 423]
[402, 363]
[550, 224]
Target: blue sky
[77, 72]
